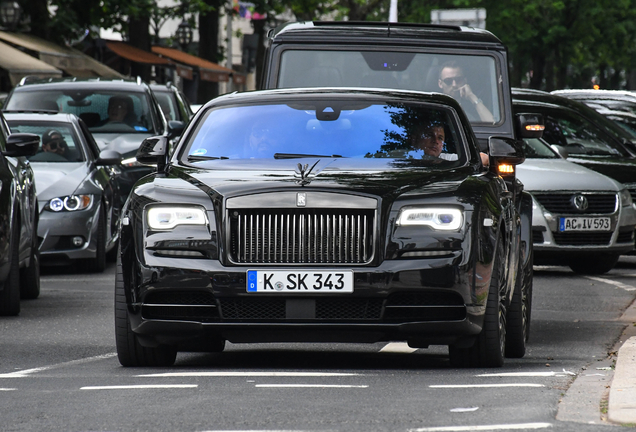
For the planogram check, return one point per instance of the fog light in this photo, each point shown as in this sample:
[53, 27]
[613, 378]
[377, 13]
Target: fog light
[77, 241]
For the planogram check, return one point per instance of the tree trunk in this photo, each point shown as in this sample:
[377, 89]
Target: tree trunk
[139, 37]
[538, 70]
[209, 48]
[259, 29]
[40, 18]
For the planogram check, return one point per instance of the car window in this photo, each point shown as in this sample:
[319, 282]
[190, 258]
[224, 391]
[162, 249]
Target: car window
[92, 107]
[579, 136]
[400, 70]
[535, 148]
[168, 105]
[71, 149]
[327, 128]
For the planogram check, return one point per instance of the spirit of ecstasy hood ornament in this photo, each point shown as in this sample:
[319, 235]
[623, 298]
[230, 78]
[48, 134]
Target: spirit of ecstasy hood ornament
[303, 172]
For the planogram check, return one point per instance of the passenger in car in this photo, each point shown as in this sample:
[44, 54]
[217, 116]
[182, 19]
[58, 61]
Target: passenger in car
[53, 142]
[454, 83]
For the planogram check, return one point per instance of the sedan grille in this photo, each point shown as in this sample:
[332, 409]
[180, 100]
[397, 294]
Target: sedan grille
[328, 236]
[582, 239]
[564, 203]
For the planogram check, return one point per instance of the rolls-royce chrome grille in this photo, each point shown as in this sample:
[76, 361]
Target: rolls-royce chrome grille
[299, 236]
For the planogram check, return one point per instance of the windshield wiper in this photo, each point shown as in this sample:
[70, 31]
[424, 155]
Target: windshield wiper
[205, 158]
[301, 155]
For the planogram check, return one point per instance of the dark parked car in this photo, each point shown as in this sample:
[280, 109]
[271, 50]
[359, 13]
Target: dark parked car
[77, 189]
[119, 113]
[617, 105]
[315, 215]
[581, 131]
[19, 257]
[173, 102]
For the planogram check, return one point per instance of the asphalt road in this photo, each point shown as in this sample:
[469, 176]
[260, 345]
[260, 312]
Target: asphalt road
[59, 372]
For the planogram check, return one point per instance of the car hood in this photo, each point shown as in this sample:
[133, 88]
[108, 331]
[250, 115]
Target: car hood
[123, 143]
[369, 176]
[58, 179]
[561, 175]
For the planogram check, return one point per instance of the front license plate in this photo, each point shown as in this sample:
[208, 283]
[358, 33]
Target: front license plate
[298, 281]
[584, 224]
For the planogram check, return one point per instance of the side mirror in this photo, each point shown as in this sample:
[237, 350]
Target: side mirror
[153, 151]
[22, 144]
[529, 125]
[175, 128]
[505, 153]
[108, 157]
[562, 151]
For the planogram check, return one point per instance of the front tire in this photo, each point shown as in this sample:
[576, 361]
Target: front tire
[519, 313]
[594, 264]
[10, 295]
[129, 351]
[98, 264]
[30, 276]
[490, 346]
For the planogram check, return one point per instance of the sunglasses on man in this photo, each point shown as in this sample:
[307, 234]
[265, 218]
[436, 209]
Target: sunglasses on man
[458, 80]
[53, 145]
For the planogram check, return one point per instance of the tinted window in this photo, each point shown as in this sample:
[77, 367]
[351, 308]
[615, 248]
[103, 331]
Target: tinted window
[72, 149]
[579, 136]
[535, 148]
[93, 107]
[325, 129]
[409, 71]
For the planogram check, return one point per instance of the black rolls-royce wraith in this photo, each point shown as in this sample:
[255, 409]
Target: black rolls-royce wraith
[332, 215]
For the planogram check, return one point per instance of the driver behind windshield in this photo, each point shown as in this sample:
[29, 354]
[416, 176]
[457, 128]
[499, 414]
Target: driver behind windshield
[53, 142]
[120, 110]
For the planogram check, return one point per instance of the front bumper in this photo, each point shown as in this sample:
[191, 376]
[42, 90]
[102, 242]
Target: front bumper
[57, 230]
[548, 240]
[422, 301]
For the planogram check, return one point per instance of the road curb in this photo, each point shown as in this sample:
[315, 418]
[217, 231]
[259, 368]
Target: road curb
[622, 396]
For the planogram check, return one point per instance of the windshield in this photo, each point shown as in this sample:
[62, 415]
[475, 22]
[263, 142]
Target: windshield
[535, 148]
[579, 136]
[58, 142]
[471, 79]
[102, 111]
[327, 129]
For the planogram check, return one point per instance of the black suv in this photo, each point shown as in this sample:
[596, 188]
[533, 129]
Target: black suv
[119, 113]
[416, 57]
[19, 256]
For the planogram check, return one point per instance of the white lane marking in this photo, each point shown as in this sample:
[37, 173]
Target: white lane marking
[453, 386]
[264, 430]
[91, 280]
[135, 387]
[519, 374]
[612, 282]
[310, 386]
[462, 410]
[247, 374]
[24, 373]
[484, 427]
[522, 374]
[7, 389]
[397, 347]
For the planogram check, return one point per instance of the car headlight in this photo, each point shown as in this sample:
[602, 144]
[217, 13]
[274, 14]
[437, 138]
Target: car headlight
[70, 203]
[626, 198]
[166, 218]
[437, 218]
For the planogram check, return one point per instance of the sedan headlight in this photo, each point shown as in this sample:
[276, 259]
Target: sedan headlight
[447, 219]
[70, 203]
[626, 198]
[166, 218]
